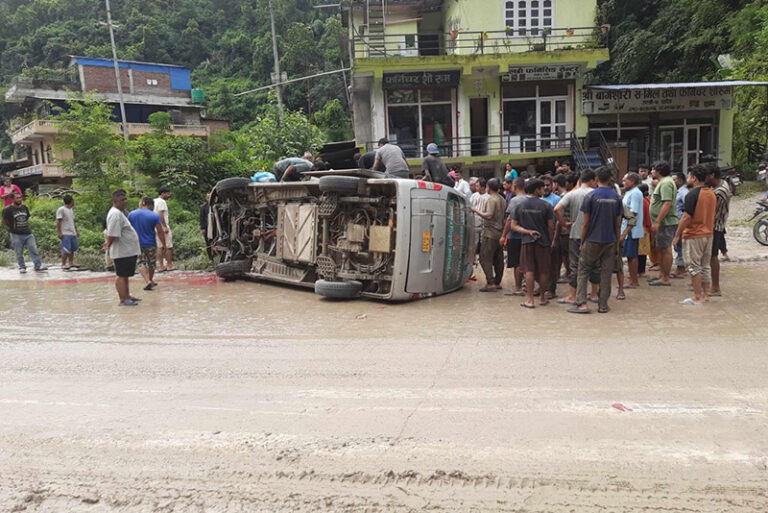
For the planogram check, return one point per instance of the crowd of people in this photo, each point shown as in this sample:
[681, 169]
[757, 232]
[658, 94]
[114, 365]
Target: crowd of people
[587, 225]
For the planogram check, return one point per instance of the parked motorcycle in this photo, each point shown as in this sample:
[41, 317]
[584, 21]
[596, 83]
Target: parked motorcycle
[760, 230]
[730, 175]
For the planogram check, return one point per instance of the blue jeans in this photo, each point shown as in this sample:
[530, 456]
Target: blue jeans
[20, 243]
[679, 257]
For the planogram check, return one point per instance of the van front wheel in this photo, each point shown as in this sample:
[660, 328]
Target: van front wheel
[338, 289]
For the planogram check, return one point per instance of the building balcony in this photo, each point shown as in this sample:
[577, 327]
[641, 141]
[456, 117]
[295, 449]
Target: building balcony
[42, 170]
[41, 128]
[490, 147]
[376, 45]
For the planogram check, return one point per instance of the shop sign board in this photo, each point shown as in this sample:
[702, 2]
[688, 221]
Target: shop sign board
[421, 79]
[532, 72]
[603, 101]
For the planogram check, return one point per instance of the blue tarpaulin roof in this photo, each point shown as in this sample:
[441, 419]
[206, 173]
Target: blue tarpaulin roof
[722, 83]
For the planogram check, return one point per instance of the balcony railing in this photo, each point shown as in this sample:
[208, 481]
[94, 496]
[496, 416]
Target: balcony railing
[477, 43]
[487, 146]
[44, 170]
[41, 127]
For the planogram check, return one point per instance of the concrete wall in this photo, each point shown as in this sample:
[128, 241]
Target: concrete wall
[725, 138]
[102, 79]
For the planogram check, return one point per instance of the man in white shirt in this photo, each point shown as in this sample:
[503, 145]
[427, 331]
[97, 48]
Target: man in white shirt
[461, 185]
[123, 247]
[68, 233]
[164, 251]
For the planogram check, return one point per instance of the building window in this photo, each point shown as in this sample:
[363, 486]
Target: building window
[152, 81]
[528, 17]
[417, 117]
[536, 116]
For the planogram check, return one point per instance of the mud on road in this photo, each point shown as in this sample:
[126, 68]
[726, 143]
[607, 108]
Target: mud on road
[251, 397]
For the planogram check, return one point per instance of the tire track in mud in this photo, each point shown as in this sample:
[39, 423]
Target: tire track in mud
[308, 490]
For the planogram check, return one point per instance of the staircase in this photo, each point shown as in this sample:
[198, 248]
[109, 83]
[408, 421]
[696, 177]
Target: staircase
[376, 17]
[593, 158]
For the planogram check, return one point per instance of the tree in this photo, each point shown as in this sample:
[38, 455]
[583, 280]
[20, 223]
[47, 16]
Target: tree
[97, 149]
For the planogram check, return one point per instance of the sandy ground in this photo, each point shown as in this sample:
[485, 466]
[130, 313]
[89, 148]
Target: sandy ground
[219, 397]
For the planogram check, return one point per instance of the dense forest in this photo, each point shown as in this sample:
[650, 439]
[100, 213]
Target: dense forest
[228, 45]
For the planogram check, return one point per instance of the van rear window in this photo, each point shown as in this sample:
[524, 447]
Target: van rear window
[456, 243]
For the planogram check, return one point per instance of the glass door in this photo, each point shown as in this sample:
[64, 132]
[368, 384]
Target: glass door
[692, 147]
[672, 149]
[552, 125]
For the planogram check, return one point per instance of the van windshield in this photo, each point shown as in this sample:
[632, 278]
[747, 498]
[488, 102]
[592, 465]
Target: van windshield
[456, 239]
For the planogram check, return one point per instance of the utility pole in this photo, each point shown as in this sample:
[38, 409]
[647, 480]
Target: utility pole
[278, 76]
[123, 119]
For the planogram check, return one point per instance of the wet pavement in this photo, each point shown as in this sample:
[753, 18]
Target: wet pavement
[246, 396]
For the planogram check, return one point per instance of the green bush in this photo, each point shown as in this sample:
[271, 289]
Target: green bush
[187, 241]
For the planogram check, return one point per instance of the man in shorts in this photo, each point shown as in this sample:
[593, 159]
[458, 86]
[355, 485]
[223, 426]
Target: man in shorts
[123, 246]
[68, 233]
[633, 200]
[491, 251]
[664, 221]
[512, 240]
[164, 248]
[534, 220]
[148, 227]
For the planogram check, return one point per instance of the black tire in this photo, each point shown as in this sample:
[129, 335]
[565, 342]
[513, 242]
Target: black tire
[231, 184]
[338, 289]
[233, 270]
[339, 184]
[760, 231]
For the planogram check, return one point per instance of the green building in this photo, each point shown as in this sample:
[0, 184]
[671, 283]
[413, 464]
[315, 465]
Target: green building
[498, 81]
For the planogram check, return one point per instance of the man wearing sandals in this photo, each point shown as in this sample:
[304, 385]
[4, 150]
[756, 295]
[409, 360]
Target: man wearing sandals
[664, 218]
[534, 219]
[600, 235]
[696, 230]
[164, 247]
[148, 227]
[123, 246]
[491, 252]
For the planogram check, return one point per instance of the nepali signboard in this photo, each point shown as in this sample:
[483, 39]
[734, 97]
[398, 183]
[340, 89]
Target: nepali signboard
[421, 79]
[531, 72]
[621, 101]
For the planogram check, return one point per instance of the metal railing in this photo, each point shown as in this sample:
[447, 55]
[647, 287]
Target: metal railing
[607, 155]
[486, 146]
[52, 127]
[376, 44]
[579, 154]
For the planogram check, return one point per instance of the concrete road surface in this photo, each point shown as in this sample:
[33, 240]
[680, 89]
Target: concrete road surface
[217, 397]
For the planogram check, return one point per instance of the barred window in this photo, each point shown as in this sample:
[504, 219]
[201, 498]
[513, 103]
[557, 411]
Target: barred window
[528, 17]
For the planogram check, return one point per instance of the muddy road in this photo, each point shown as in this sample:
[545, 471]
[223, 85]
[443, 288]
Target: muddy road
[217, 397]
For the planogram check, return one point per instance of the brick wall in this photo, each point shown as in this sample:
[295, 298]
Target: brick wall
[103, 79]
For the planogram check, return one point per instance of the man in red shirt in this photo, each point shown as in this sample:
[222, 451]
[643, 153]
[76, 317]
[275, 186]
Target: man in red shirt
[7, 190]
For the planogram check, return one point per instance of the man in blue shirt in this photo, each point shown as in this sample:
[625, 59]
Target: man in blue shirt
[600, 235]
[633, 200]
[147, 224]
[682, 191]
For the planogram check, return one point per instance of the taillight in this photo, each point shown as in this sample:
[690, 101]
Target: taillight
[429, 186]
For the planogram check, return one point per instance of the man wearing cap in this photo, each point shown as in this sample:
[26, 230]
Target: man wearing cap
[434, 168]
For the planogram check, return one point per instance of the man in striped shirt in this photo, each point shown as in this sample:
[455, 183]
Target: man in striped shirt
[723, 194]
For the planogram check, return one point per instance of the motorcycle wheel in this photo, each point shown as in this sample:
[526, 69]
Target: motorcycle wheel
[760, 231]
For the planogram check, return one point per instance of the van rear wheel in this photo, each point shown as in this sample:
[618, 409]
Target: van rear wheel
[338, 289]
[232, 270]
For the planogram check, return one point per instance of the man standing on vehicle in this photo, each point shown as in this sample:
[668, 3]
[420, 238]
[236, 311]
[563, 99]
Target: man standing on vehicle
[600, 235]
[664, 219]
[149, 228]
[533, 218]
[68, 233]
[723, 195]
[16, 218]
[392, 158]
[292, 169]
[491, 252]
[123, 246]
[434, 168]
[164, 247]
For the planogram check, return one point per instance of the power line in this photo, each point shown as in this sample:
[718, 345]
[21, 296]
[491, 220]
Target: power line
[277, 84]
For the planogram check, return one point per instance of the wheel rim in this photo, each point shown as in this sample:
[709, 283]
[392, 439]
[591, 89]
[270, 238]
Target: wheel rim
[761, 232]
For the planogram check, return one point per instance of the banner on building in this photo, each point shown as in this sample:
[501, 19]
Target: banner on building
[531, 72]
[601, 101]
[421, 79]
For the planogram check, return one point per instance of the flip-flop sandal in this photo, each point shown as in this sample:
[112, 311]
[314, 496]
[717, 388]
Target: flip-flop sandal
[620, 296]
[565, 301]
[604, 310]
[630, 287]
[129, 302]
[486, 289]
[715, 294]
[577, 310]
[676, 277]
[659, 284]
[689, 302]
[171, 269]
[545, 303]
[592, 300]
[148, 286]
[514, 293]
[526, 305]
[135, 299]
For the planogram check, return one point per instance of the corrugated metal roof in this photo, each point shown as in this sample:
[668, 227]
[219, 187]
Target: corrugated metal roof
[677, 85]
